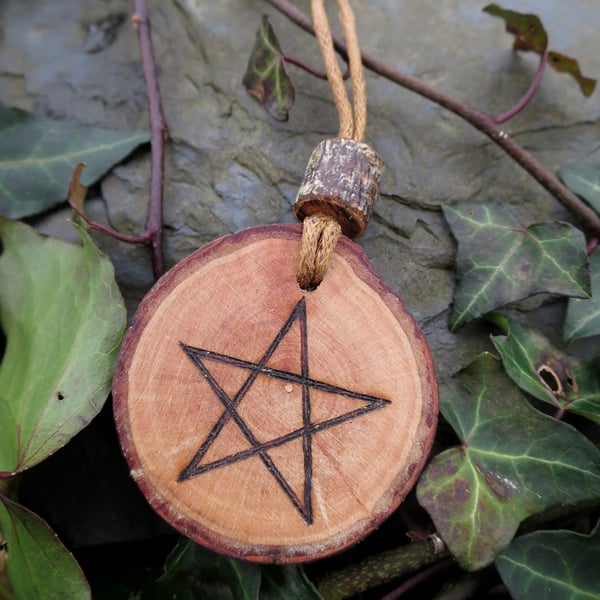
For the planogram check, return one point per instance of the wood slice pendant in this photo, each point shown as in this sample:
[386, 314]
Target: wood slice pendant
[266, 422]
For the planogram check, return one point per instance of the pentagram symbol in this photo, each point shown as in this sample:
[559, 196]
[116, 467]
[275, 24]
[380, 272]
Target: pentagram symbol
[202, 358]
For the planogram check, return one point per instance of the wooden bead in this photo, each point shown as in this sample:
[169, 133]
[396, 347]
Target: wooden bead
[341, 181]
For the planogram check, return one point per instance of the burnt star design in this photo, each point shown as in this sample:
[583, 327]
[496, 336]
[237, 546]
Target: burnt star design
[200, 357]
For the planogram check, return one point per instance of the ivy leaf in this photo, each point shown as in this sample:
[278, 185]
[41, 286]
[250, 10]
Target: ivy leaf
[527, 28]
[235, 579]
[583, 316]
[566, 64]
[583, 180]
[63, 318]
[552, 565]
[36, 564]
[500, 261]
[545, 372]
[286, 581]
[513, 462]
[38, 155]
[266, 77]
[210, 575]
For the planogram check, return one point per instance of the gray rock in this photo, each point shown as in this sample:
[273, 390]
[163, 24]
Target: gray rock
[229, 166]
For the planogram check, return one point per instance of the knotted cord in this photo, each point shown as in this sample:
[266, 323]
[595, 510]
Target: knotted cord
[321, 233]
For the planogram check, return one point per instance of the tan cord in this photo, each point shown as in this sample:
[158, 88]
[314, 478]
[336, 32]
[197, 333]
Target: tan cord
[351, 125]
[332, 68]
[359, 90]
[321, 233]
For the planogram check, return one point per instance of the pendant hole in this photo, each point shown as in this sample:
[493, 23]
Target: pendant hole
[310, 287]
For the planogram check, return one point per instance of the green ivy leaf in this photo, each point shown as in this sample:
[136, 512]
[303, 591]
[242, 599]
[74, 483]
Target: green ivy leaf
[266, 77]
[63, 318]
[38, 155]
[501, 261]
[210, 575]
[546, 373]
[513, 462]
[527, 28]
[583, 316]
[36, 564]
[280, 582]
[566, 64]
[583, 180]
[552, 565]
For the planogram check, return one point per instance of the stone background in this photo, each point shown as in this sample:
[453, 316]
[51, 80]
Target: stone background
[230, 166]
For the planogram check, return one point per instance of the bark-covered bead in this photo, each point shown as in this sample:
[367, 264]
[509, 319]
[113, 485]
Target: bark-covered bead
[342, 181]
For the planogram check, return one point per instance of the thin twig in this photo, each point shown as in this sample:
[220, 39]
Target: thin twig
[122, 237]
[560, 413]
[528, 95]
[292, 60]
[76, 198]
[9, 485]
[419, 578]
[158, 132]
[475, 117]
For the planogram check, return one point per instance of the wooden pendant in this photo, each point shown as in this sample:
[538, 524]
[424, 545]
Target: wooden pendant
[269, 423]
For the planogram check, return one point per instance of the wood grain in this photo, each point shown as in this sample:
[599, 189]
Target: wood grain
[232, 299]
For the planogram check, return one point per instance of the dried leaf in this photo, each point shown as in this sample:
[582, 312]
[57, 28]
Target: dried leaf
[528, 29]
[566, 64]
[266, 77]
[77, 191]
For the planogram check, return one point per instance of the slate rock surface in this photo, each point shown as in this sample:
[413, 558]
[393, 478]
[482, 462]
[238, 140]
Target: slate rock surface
[230, 166]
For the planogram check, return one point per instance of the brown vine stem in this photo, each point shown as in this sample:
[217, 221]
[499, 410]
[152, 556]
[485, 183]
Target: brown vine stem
[292, 60]
[528, 95]
[8, 487]
[475, 117]
[419, 578]
[76, 197]
[158, 133]
[378, 569]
